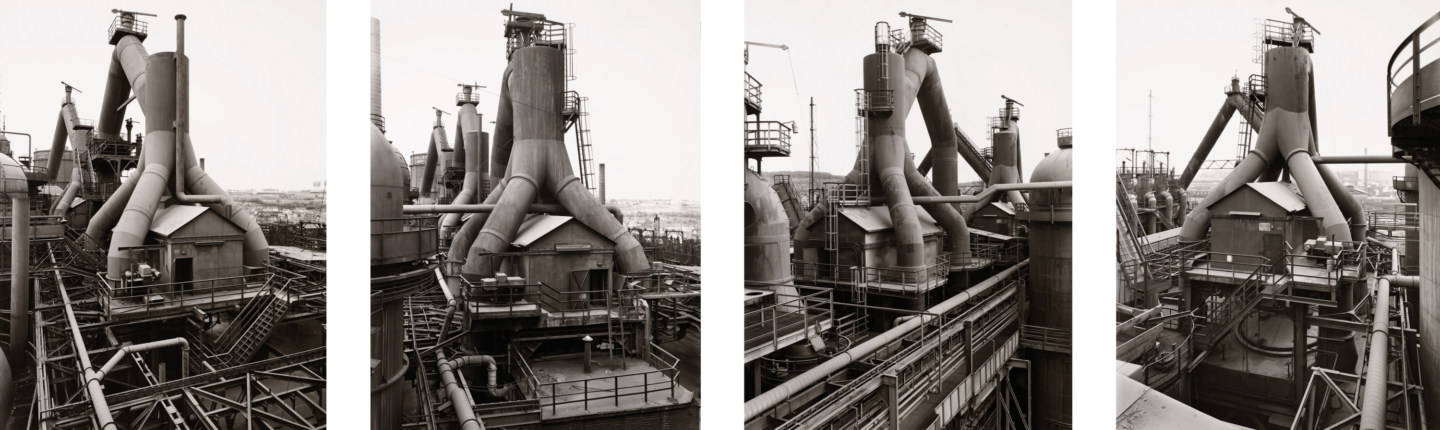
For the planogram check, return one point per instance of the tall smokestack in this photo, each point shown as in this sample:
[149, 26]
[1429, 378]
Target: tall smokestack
[375, 116]
[602, 184]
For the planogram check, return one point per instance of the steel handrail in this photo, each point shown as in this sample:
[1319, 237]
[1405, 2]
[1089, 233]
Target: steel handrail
[1411, 41]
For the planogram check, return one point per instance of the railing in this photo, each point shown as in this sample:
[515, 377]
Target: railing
[127, 297]
[752, 90]
[1257, 85]
[780, 179]
[882, 37]
[867, 101]
[571, 104]
[471, 97]
[511, 295]
[563, 301]
[788, 314]
[1412, 43]
[814, 272]
[1064, 132]
[1011, 113]
[768, 134]
[127, 24]
[1224, 311]
[847, 194]
[908, 280]
[1405, 183]
[1045, 338]
[378, 120]
[1286, 33]
[606, 390]
[83, 124]
[922, 32]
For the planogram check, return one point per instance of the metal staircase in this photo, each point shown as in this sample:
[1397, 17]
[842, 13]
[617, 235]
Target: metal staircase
[252, 326]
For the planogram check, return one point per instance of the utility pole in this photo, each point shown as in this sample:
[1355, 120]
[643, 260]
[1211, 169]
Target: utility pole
[809, 193]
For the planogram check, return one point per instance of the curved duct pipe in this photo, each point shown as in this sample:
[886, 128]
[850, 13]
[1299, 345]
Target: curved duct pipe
[767, 400]
[1234, 102]
[459, 399]
[469, 150]
[71, 189]
[1288, 120]
[1007, 159]
[97, 376]
[433, 155]
[539, 162]
[888, 152]
[966, 148]
[257, 248]
[159, 150]
[767, 238]
[131, 58]
[950, 220]
[485, 208]
[1167, 210]
[504, 135]
[1182, 200]
[930, 96]
[1286, 129]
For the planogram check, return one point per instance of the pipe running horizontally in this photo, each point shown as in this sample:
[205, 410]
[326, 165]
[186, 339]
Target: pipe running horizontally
[767, 400]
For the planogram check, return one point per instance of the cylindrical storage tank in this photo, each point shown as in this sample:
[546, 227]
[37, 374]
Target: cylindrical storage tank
[1049, 288]
[1430, 293]
[67, 164]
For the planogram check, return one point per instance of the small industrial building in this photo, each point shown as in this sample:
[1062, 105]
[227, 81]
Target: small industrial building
[1268, 219]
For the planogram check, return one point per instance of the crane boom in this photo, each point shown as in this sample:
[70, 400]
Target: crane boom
[911, 15]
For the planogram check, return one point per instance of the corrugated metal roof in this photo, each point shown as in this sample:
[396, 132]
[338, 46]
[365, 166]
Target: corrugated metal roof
[537, 227]
[169, 219]
[1281, 193]
[877, 218]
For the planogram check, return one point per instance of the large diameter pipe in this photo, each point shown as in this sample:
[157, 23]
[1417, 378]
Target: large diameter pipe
[767, 400]
[159, 149]
[993, 190]
[1372, 411]
[889, 151]
[485, 208]
[1207, 143]
[19, 274]
[469, 130]
[459, 399]
[71, 189]
[1356, 159]
[1287, 123]
[256, 247]
[935, 110]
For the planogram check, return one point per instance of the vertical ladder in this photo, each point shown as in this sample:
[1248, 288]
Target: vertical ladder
[1246, 137]
[583, 151]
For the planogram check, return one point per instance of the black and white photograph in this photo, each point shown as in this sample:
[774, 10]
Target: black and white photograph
[155, 280]
[1276, 206]
[888, 284]
[534, 215]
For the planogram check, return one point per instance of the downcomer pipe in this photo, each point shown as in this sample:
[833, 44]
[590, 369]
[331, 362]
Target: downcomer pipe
[159, 150]
[470, 140]
[889, 151]
[71, 189]
[767, 400]
[438, 144]
[1207, 143]
[182, 118]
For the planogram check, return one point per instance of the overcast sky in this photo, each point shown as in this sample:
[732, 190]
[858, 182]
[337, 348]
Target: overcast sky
[257, 79]
[639, 64]
[1017, 48]
[1187, 51]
